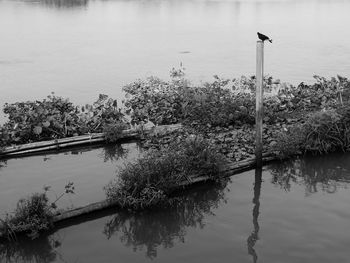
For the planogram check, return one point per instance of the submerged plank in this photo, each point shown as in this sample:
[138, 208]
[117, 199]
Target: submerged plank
[228, 170]
[81, 140]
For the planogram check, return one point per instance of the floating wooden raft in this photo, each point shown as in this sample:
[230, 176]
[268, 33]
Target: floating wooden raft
[228, 170]
[31, 148]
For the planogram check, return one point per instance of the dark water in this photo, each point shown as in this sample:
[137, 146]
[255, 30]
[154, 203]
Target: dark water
[90, 169]
[80, 48]
[298, 213]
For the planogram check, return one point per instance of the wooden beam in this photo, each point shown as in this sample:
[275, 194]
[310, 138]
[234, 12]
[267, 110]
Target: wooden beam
[259, 102]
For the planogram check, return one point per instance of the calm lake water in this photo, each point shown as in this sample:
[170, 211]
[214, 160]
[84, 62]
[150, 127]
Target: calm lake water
[299, 213]
[90, 169]
[80, 48]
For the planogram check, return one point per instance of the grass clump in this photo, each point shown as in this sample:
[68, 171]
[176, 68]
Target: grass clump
[290, 142]
[148, 181]
[322, 132]
[114, 130]
[32, 215]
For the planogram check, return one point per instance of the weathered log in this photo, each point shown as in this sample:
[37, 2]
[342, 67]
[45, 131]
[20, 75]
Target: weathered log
[228, 170]
[81, 140]
[94, 207]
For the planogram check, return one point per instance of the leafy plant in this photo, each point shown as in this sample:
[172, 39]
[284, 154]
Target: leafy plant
[114, 130]
[215, 105]
[56, 117]
[154, 100]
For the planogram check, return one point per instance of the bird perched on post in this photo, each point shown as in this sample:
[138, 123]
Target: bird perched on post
[262, 37]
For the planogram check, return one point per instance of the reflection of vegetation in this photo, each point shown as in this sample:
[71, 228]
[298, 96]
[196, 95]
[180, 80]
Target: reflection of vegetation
[3, 163]
[25, 250]
[325, 173]
[113, 152]
[61, 3]
[155, 228]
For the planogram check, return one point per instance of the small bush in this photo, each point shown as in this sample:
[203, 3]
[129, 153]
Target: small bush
[290, 142]
[147, 182]
[216, 105]
[154, 100]
[114, 130]
[323, 132]
[169, 102]
[32, 214]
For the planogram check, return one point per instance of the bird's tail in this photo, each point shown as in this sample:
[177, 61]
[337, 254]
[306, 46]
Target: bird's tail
[270, 40]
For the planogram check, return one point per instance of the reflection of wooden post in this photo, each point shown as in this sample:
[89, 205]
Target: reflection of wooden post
[259, 101]
[254, 236]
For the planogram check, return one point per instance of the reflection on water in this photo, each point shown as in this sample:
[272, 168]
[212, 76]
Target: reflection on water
[2, 163]
[254, 236]
[90, 168]
[43, 249]
[322, 173]
[164, 228]
[248, 217]
[60, 3]
[113, 152]
[99, 46]
[109, 152]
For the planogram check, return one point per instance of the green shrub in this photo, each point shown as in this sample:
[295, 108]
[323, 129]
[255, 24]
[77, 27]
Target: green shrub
[32, 214]
[33, 120]
[216, 105]
[56, 117]
[175, 101]
[147, 182]
[154, 100]
[114, 130]
[323, 132]
[290, 142]
[4, 138]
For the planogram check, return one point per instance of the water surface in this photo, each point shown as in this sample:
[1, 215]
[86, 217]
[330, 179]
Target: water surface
[89, 168]
[298, 213]
[80, 48]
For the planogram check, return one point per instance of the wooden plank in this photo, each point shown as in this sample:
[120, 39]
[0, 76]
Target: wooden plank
[229, 170]
[80, 140]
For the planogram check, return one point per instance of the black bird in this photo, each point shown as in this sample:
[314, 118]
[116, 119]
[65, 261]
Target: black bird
[263, 37]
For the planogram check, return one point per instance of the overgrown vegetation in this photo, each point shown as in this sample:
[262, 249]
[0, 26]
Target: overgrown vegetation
[56, 117]
[114, 130]
[32, 214]
[148, 181]
[208, 108]
[304, 118]
[323, 132]
[225, 102]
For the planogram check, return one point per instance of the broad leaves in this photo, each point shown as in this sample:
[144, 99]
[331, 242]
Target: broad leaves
[56, 117]
[37, 130]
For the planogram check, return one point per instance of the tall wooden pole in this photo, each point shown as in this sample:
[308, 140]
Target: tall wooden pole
[259, 101]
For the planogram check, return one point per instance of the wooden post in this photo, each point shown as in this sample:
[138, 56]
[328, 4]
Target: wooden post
[259, 101]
